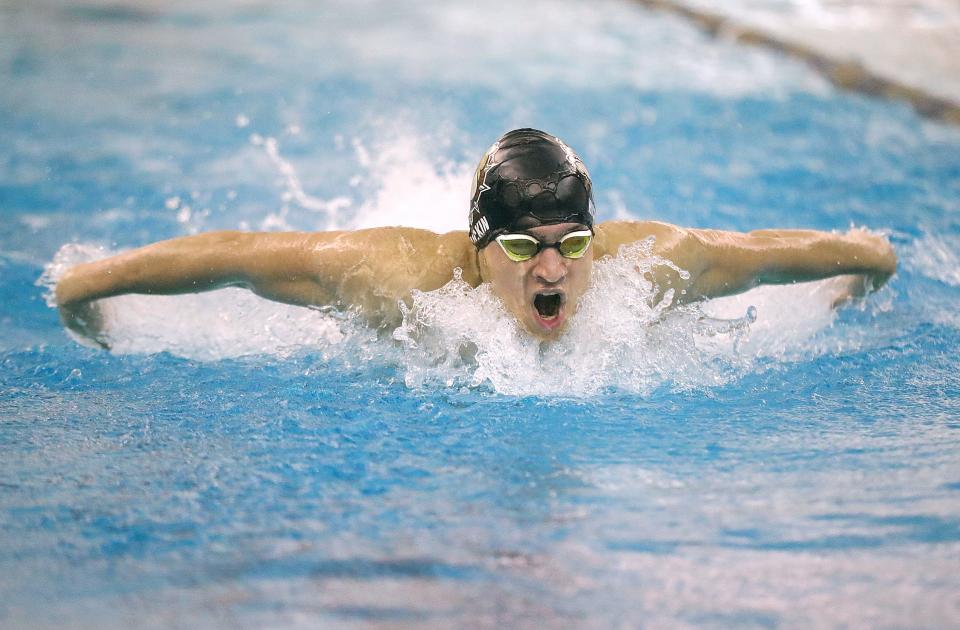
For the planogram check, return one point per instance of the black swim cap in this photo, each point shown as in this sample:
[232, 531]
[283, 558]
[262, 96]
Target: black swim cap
[526, 179]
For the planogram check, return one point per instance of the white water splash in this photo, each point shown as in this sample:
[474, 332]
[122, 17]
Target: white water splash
[207, 326]
[456, 336]
[293, 192]
[413, 187]
[936, 256]
[619, 338]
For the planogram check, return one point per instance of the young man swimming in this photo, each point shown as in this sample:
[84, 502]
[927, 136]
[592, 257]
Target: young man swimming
[531, 237]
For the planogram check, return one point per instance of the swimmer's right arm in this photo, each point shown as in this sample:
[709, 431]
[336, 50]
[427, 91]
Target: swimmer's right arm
[274, 262]
[186, 265]
[366, 269]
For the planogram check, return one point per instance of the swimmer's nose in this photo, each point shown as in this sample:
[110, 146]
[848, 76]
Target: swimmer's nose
[549, 267]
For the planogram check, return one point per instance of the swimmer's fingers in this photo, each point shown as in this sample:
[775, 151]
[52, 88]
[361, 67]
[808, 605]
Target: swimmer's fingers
[85, 320]
[845, 289]
[884, 264]
[875, 281]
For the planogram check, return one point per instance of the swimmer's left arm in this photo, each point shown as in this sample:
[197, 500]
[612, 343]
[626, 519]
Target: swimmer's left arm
[725, 263]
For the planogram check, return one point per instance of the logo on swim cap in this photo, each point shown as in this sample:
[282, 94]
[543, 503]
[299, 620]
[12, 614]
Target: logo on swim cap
[481, 173]
[477, 222]
[525, 179]
[479, 229]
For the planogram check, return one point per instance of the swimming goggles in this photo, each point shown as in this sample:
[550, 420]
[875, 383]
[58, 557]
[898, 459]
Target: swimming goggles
[520, 247]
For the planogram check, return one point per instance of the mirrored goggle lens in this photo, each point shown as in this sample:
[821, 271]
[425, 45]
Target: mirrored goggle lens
[575, 244]
[519, 247]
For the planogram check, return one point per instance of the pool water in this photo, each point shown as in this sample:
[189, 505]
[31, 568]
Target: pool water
[236, 463]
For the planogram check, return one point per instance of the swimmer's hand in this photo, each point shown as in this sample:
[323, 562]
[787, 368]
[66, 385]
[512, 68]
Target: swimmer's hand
[884, 263]
[85, 320]
[844, 290]
[80, 314]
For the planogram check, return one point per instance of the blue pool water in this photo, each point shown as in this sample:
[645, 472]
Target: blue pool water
[234, 463]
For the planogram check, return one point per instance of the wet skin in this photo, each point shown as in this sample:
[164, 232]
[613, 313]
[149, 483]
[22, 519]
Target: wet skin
[518, 284]
[372, 271]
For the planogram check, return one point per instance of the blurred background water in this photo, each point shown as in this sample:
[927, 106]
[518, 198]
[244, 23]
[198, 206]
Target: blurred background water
[235, 463]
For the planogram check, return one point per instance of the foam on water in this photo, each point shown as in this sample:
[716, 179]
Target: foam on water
[405, 188]
[307, 485]
[620, 338]
[462, 336]
[459, 336]
[208, 326]
[936, 256]
[410, 188]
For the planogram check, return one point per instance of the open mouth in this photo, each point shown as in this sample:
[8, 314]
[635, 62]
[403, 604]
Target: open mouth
[548, 304]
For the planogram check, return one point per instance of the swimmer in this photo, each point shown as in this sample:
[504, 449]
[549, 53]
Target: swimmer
[531, 236]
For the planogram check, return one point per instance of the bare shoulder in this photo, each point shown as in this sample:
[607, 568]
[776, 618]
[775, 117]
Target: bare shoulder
[409, 252]
[391, 261]
[612, 235]
[402, 241]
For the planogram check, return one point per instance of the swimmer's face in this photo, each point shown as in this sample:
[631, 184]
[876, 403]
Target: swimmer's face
[542, 293]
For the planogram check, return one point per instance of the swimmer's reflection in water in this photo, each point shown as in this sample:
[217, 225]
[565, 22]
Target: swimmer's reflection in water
[531, 237]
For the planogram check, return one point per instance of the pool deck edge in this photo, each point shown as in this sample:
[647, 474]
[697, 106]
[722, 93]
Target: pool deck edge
[846, 74]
